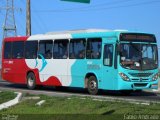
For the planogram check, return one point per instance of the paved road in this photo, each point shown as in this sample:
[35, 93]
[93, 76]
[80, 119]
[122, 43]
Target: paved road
[140, 97]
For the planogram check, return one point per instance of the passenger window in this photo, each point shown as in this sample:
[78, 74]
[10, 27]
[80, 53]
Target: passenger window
[8, 50]
[94, 46]
[108, 55]
[60, 50]
[45, 49]
[18, 50]
[31, 49]
[77, 48]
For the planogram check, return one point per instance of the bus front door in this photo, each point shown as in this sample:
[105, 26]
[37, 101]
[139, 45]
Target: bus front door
[109, 73]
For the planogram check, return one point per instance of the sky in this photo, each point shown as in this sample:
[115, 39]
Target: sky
[57, 15]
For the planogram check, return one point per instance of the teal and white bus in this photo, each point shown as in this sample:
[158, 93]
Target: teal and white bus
[93, 59]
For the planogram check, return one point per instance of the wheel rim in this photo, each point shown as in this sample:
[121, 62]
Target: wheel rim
[93, 85]
[30, 81]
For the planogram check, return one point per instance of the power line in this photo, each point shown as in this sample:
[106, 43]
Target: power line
[22, 16]
[20, 23]
[87, 9]
[93, 6]
[39, 20]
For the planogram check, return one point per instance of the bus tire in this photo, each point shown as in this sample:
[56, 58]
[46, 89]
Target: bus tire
[92, 85]
[31, 81]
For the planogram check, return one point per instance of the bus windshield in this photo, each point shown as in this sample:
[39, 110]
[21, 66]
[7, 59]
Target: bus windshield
[138, 56]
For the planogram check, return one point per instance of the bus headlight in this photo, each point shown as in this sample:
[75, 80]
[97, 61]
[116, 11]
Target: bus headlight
[155, 77]
[124, 76]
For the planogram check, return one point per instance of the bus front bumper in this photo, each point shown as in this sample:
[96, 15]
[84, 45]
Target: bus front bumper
[128, 85]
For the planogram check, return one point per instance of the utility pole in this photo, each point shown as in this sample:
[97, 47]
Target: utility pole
[28, 18]
[9, 28]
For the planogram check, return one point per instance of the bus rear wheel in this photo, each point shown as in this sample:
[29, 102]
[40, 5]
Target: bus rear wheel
[92, 85]
[31, 81]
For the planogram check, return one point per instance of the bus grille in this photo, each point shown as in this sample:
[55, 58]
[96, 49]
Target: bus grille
[140, 84]
[137, 79]
[140, 74]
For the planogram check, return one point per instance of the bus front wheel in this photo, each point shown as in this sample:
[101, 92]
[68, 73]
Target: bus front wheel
[92, 85]
[31, 81]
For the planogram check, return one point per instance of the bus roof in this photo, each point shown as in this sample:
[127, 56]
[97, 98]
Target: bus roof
[17, 38]
[78, 31]
[81, 33]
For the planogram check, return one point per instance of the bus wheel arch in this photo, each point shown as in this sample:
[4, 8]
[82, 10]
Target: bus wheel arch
[31, 80]
[91, 83]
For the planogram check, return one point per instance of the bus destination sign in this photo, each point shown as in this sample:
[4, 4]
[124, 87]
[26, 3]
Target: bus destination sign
[136, 37]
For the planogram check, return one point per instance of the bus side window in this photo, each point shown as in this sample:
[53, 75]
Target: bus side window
[8, 50]
[77, 48]
[45, 49]
[108, 55]
[94, 47]
[31, 49]
[60, 50]
[18, 50]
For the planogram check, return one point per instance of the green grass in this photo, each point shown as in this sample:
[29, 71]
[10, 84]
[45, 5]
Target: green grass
[62, 107]
[6, 96]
